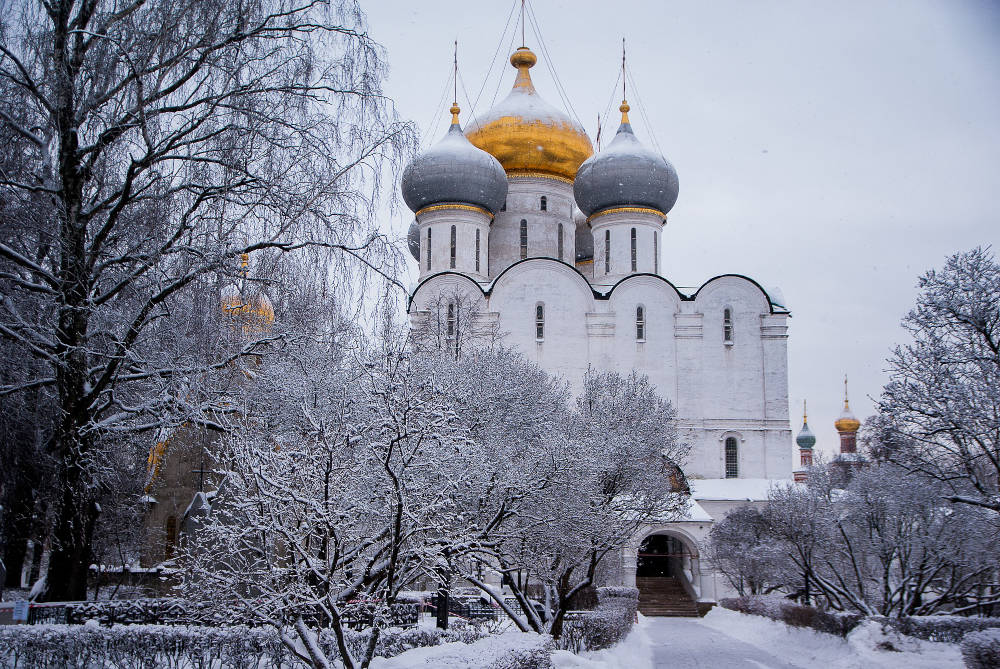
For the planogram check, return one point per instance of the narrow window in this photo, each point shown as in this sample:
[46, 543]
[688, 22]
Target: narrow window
[544, 204]
[428, 249]
[171, 539]
[656, 253]
[607, 251]
[477, 249]
[539, 322]
[452, 260]
[524, 239]
[727, 326]
[633, 250]
[732, 458]
[640, 323]
[503, 207]
[560, 241]
[451, 319]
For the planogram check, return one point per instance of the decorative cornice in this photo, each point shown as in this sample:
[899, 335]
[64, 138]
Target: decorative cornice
[463, 207]
[531, 174]
[627, 210]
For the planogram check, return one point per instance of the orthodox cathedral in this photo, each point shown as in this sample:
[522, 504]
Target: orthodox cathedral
[558, 248]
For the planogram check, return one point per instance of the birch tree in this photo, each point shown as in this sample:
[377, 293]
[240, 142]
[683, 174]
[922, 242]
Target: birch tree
[940, 411]
[148, 145]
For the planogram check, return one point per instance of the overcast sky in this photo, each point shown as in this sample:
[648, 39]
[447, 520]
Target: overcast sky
[836, 150]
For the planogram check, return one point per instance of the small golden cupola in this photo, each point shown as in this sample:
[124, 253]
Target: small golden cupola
[529, 136]
[248, 305]
[847, 422]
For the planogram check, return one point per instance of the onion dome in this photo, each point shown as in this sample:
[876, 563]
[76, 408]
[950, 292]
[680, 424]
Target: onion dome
[626, 174]
[413, 240]
[529, 136]
[847, 422]
[454, 171]
[250, 305]
[806, 439]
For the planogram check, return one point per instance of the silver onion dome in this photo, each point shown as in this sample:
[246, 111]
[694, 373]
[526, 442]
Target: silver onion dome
[413, 240]
[625, 174]
[454, 171]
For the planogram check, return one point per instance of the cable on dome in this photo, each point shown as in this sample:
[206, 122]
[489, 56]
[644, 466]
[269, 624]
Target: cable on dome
[549, 63]
[611, 100]
[642, 112]
[493, 62]
[436, 119]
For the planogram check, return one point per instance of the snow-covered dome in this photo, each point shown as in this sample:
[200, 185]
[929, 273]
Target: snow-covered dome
[806, 438]
[626, 174]
[249, 304]
[454, 171]
[526, 134]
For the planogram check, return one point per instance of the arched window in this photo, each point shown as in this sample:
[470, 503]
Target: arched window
[640, 323]
[544, 205]
[451, 319]
[451, 262]
[656, 253]
[524, 239]
[428, 249]
[477, 249]
[560, 241]
[633, 250]
[607, 251]
[727, 325]
[732, 458]
[503, 207]
[171, 538]
[539, 322]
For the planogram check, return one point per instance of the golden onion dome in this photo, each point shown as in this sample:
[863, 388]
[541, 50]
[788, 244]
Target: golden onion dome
[847, 422]
[250, 305]
[529, 136]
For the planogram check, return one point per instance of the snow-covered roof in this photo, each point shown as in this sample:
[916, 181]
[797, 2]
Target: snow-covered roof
[696, 513]
[750, 490]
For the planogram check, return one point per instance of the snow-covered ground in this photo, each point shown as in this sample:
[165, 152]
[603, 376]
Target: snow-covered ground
[733, 640]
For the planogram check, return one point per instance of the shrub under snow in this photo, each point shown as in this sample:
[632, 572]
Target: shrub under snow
[981, 650]
[141, 646]
[511, 650]
[793, 614]
[606, 625]
[947, 629]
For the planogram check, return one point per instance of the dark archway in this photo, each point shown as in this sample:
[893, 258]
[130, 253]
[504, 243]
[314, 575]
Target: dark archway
[660, 556]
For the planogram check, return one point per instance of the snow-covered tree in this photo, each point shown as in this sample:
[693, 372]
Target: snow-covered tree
[940, 411]
[149, 145]
[740, 546]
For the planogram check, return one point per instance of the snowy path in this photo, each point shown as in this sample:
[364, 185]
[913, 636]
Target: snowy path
[688, 643]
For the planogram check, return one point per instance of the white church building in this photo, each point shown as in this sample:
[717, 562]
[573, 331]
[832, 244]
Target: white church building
[558, 249]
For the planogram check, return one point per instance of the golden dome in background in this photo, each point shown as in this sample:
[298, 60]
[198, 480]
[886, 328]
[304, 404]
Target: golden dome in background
[527, 135]
[847, 421]
[253, 310]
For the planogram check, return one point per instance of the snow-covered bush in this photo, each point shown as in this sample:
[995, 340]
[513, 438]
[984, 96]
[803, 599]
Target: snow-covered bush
[512, 650]
[606, 625]
[981, 650]
[794, 615]
[140, 646]
[946, 629]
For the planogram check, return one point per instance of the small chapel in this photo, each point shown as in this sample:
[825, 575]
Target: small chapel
[557, 248]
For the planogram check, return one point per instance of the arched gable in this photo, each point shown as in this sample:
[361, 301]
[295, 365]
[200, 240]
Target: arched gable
[513, 271]
[442, 281]
[734, 280]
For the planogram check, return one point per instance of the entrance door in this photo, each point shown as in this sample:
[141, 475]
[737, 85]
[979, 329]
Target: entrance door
[660, 556]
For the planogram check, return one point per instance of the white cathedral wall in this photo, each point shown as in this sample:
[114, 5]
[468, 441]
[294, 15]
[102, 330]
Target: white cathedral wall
[719, 390]
[466, 221]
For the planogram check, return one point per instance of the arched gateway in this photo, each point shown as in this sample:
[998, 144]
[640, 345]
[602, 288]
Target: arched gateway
[667, 570]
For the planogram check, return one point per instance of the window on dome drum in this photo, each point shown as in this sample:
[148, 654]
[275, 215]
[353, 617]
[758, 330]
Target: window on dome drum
[727, 325]
[560, 241]
[503, 207]
[640, 323]
[539, 322]
[477, 249]
[656, 253]
[544, 205]
[428, 249]
[451, 261]
[732, 458]
[524, 239]
[607, 252]
[633, 250]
